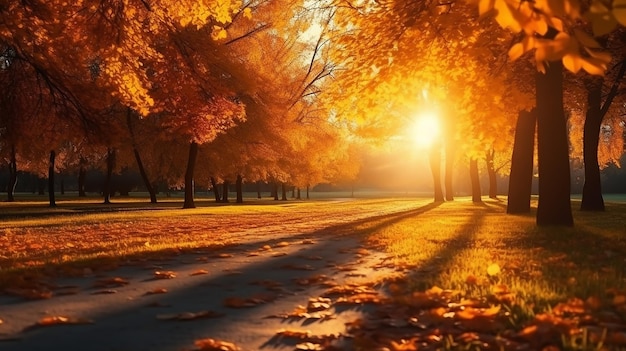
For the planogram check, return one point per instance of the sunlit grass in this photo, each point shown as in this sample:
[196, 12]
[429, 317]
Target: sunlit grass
[452, 246]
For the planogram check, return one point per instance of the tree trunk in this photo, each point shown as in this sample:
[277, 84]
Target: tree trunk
[82, 174]
[592, 189]
[51, 179]
[62, 184]
[189, 184]
[554, 206]
[293, 192]
[307, 192]
[283, 188]
[239, 189]
[258, 189]
[491, 172]
[107, 182]
[225, 191]
[449, 150]
[435, 168]
[216, 189]
[298, 197]
[12, 175]
[142, 170]
[521, 175]
[275, 191]
[475, 180]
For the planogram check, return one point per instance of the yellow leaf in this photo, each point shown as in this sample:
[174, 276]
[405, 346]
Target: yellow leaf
[593, 68]
[247, 13]
[493, 269]
[485, 6]
[516, 51]
[218, 33]
[572, 63]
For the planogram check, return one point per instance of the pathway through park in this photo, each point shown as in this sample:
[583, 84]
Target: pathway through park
[274, 275]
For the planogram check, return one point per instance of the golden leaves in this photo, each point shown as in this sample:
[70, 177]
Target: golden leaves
[209, 344]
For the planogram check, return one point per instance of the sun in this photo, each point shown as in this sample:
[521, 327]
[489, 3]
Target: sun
[425, 129]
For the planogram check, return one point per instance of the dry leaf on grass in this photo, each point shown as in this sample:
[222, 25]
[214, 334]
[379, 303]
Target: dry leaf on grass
[215, 345]
[187, 316]
[309, 346]
[282, 244]
[279, 254]
[164, 275]
[307, 242]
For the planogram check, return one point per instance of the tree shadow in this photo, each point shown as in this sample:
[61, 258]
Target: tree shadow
[126, 320]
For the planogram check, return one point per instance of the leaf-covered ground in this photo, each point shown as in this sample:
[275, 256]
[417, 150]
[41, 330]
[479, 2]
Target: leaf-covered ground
[376, 274]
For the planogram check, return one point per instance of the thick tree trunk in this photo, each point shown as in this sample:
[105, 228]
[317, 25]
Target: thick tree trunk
[51, 179]
[283, 188]
[521, 175]
[491, 172]
[554, 206]
[298, 197]
[293, 192]
[106, 192]
[82, 174]
[216, 189]
[239, 189]
[307, 192]
[258, 189]
[275, 191]
[12, 175]
[475, 180]
[142, 170]
[62, 184]
[225, 186]
[435, 168]
[592, 189]
[189, 184]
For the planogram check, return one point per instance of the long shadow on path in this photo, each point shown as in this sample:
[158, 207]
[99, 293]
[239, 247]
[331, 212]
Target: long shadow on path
[127, 319]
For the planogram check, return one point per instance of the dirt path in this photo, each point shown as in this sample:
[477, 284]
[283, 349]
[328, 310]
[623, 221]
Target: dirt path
[243, 293]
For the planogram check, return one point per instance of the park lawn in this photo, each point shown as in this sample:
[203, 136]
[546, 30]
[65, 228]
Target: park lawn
[463, 263]
[556, 286]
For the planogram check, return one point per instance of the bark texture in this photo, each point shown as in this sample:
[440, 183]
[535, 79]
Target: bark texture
[189, 183]
[521, 175]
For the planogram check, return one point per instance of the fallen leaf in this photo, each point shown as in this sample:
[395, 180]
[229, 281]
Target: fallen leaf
[307, 242]
[282, 244]
[156, 291]
[279, 254]
[309, 346]
[164, 275]
[199, 272]
[215, 345]
[56, 320]
[493, 269]
[258, 299]
[223, 255]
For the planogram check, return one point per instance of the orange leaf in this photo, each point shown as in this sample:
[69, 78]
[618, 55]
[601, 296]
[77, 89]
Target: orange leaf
[164, 275]
[156, 291]
[54, 320]
[110, 282]
[199, 272]
[215, 345]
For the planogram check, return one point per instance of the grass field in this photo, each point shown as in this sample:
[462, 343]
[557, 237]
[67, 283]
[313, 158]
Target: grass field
[476, 251]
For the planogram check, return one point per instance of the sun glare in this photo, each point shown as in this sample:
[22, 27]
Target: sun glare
[425, 129]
